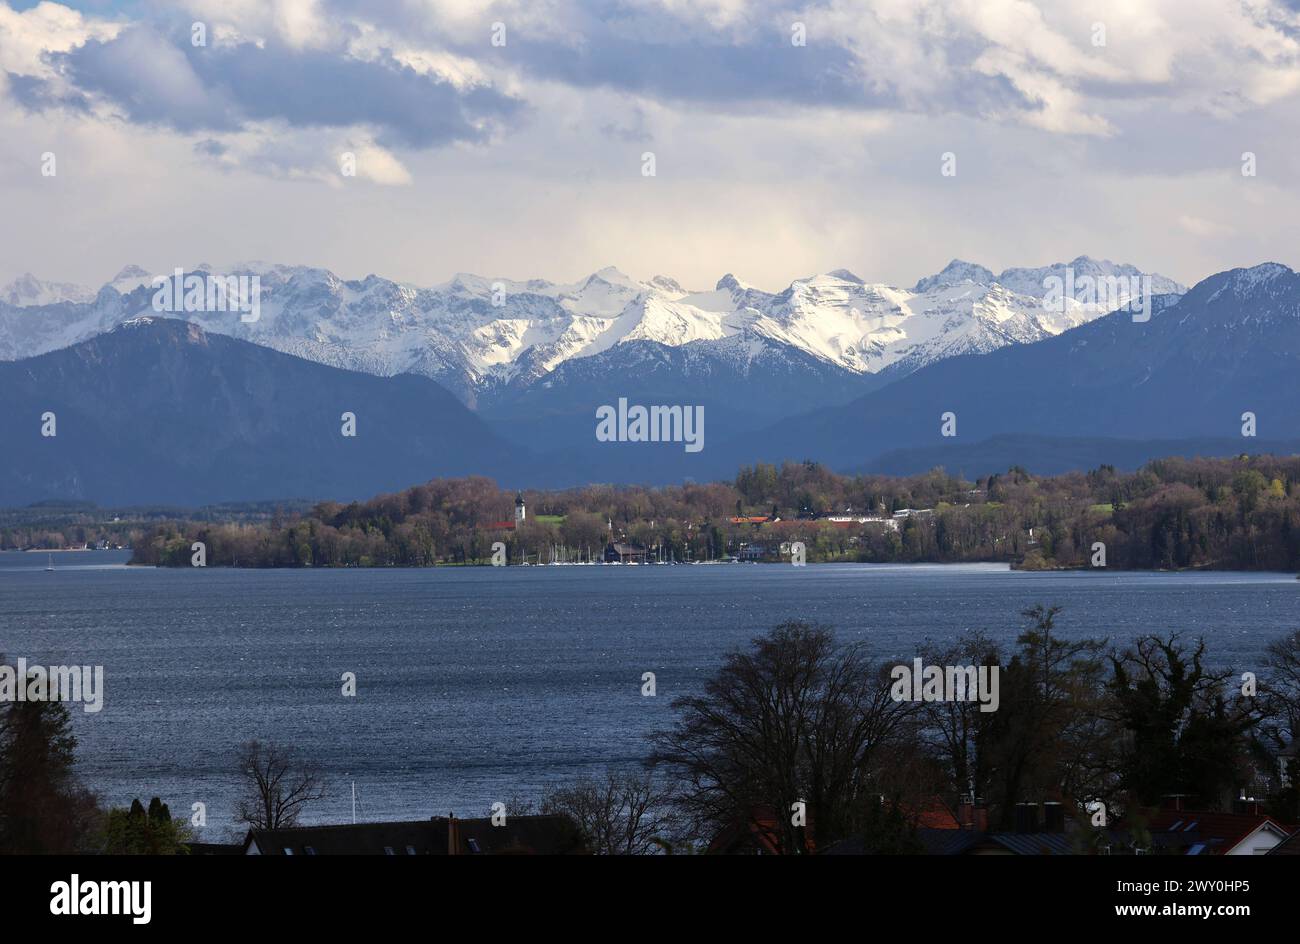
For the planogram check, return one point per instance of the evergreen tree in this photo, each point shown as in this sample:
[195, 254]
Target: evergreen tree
[43, 810]
[137, 831]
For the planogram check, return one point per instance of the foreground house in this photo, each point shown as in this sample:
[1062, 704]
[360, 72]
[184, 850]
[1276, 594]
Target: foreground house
[1195, 832]
[441, 835]
[1290, 846]
[964, 830]
[762, 833]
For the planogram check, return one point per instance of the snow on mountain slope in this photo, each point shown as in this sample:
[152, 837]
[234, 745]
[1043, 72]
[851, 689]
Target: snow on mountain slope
[476, 334]
[27, 290]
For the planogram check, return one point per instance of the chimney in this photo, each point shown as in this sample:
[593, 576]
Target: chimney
[1053, 817]
[972, 814]
[453, 835]
[1245, 805]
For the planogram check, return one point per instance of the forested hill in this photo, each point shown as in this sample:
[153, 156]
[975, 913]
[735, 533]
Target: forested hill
[1241, 513]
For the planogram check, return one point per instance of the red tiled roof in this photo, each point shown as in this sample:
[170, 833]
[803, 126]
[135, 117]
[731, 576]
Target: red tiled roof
[937, 816]
[1229, 828]
[762, 831]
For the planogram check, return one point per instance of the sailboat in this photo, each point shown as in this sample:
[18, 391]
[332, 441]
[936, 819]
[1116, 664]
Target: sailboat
[50, 566]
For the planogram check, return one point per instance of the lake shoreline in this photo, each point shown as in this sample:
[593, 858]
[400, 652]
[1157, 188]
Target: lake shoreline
[1014, 566]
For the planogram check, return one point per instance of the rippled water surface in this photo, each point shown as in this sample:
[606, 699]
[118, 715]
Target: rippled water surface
[478, 684]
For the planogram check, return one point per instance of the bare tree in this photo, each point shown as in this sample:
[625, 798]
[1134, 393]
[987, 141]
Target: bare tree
[1282, 690]
[277, 784]
[619, 814]
[951, 728]
[1188, 726]
[795, 720]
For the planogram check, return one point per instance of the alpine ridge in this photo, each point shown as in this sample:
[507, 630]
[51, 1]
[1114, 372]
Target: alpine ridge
[487, 339]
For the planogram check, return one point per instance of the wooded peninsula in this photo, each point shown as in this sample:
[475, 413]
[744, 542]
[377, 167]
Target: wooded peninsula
[1236, 514]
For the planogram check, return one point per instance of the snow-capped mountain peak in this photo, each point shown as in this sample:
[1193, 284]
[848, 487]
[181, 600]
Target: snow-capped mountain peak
[477, 334]
[954, 273]
[1254, 296]
[27, 290]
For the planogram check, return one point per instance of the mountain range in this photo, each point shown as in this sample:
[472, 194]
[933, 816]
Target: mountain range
[1228, 347]
[499, 377]
[160, 412]
[487, 339]
[528, 355]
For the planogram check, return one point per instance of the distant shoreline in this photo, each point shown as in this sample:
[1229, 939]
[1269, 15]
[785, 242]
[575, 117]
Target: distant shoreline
[1007, 565]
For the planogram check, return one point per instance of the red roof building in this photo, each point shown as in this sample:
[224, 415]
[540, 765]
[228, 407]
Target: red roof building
[1199, 832]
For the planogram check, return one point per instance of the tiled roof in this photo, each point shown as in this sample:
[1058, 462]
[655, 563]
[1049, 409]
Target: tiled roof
[1034, 843]
[963, 841]
[547, 835]
[1208, 832]
[937, 816]
[948, 841]
[350, 839]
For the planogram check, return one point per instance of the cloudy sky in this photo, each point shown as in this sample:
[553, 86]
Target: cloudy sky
[1113, 128]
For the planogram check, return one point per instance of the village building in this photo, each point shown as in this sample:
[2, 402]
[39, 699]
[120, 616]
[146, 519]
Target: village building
[618, 552]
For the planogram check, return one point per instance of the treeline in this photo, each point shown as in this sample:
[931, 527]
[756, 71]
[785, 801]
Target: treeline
[799, 720]
[57, 526]
[1241, 513]
[1106, 731]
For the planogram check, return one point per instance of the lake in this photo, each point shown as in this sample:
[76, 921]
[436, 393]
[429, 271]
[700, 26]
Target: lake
[480, 684]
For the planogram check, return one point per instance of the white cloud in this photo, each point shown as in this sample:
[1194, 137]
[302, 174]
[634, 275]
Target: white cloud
[1202, 227]
[773, 161]
[47, 27]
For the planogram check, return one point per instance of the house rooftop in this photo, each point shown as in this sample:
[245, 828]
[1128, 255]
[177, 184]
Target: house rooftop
[1289, 846]
[969, 841]
[1200, 832]
[519, 835]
